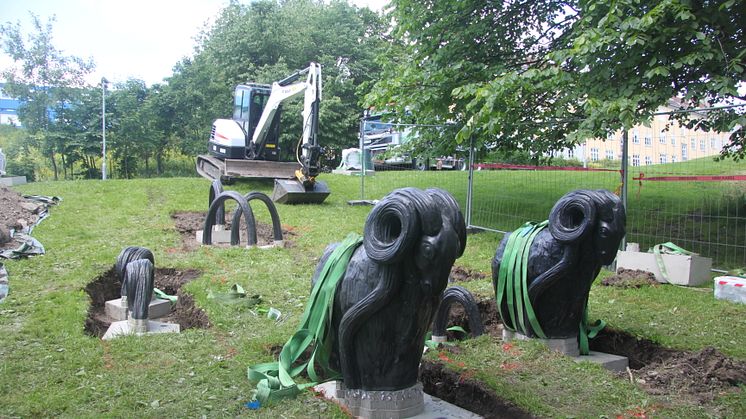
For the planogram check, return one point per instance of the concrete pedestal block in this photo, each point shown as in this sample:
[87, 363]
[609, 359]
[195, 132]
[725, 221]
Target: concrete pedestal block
[432, 407]
[158, 308]
[567, 346]
[570, 347]
[219, 236]
[139, 328]
[13, 180]
[689, 270]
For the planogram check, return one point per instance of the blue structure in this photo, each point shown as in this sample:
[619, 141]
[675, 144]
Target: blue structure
[8, 108]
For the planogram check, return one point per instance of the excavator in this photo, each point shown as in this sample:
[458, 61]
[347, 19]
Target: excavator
[248, 145]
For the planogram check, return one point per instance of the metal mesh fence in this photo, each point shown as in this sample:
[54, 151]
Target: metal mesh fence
[394, 166]
[676, 191]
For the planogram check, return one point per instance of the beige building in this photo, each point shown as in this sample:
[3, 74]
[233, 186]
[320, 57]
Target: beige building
[664, 141]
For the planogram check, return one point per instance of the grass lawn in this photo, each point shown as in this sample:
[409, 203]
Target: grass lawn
[50, 367]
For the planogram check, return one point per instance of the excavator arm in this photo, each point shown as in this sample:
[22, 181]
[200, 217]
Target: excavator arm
[308, 152]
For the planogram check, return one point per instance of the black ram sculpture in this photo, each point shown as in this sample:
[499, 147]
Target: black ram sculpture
[583, 234]
[386, 301]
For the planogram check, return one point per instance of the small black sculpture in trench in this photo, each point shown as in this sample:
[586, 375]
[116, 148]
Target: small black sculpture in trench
[386, 301]
[584, 232]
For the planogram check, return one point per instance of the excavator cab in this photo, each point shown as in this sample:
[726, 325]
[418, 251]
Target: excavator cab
[248, 105]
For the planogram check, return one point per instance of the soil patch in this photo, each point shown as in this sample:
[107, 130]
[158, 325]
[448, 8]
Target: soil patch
[108, 287]
[630, 278]
[490, 319]
[462, 274]
[189, 223]
[17, 213]
[700, 375]
[467, 393]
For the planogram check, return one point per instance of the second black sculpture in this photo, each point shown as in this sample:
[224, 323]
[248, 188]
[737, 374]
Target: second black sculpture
[386, 301]
[543, 273]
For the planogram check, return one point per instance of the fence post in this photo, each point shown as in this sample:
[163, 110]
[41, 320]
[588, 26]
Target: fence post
[362, 158]
[470, 187]
[625, 156]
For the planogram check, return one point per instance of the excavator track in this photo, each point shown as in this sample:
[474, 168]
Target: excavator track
[212, 168]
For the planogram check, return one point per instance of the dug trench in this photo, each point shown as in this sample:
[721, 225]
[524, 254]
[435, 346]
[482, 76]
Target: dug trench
[699, 376]
[108, 287]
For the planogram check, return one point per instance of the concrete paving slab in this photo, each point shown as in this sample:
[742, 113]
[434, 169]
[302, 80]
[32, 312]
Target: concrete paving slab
[125, 327]
[611, 362]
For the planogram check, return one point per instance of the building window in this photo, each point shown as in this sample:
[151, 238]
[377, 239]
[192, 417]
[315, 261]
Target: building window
[662, 159]
[712, 143]
[673, 140]
[673, 158]
[635, 139]
[609, 154]
[648, 141]
[693, 144]
[684, 155]
[635, 160]
[662, 138]
[648, 160]
[570, 153]
[594, 154]
[610, 136]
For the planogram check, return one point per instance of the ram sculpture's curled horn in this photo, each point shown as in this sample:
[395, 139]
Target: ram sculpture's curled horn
[139, 277]
[396, 222]
[450, 207]
[127, 255]
[572, 217]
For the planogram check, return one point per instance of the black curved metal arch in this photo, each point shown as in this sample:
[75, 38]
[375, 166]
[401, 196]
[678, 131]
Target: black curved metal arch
[236, 220]
[216, 188]
[461, 295]
[243, 206]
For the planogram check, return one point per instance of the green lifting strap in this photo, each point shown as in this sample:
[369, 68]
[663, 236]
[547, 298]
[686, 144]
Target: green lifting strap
[274, 380]
[512, 286]
[668, 248]
[587, 331]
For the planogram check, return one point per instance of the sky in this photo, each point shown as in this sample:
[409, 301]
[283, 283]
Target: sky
[125, 38]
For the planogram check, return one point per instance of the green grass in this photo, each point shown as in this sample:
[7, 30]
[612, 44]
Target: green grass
[49, 367]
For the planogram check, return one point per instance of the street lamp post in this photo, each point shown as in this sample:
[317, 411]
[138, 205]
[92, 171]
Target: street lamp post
[103, 126]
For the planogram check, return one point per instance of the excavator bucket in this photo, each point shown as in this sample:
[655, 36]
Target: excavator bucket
[292, 191]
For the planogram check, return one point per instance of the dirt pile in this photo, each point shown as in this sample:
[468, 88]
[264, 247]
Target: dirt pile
[630, 278]
[462, 274]
[703, 374]
[17, 213]
[700, 375]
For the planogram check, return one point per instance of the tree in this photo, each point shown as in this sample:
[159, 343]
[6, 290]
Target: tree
[264, 42]
[131, 141]
[44, 80]
[569, 70]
